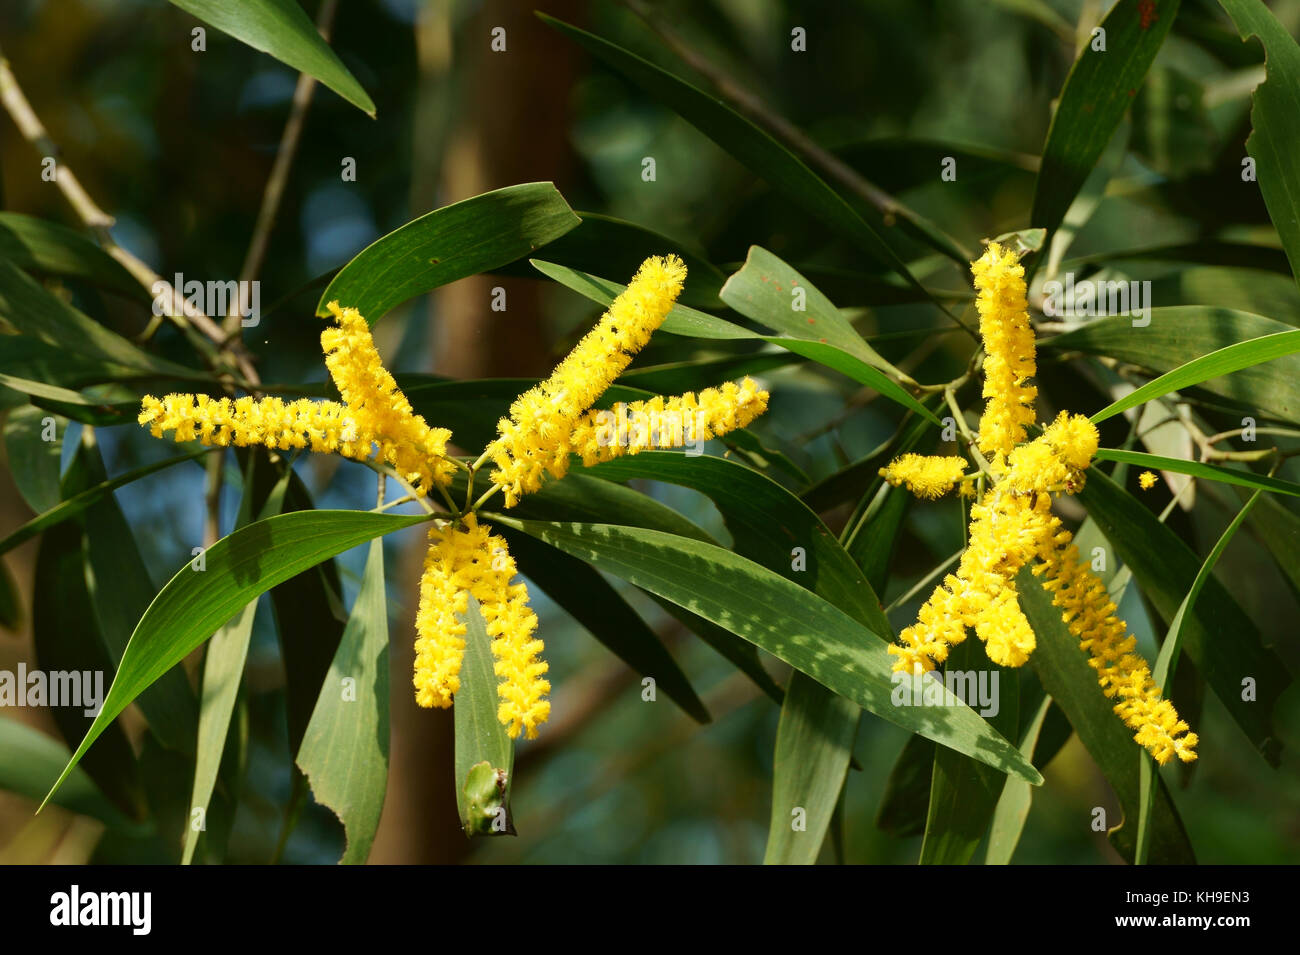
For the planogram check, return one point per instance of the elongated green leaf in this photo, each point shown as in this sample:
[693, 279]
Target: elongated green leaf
[1168, 660]
[964, 793]
[121, 589]
[33, 461]
[1062, 667]
[462, 239]
[904, 805]
[1211, 472]
[33, 311]
[344, 753]
[1013, 805]
[766, 291]
[1183, 334]
[239, 567]
[223, 671]
[29, 760]
[1222, 362]
[79, 502]
[280, 28]
[814, 741]
[781, 617]
[746, 142]
[681, 320]
[1221, 639]
[1279, 529]
[1097, 93]
[1274, 120]
[52, 249]
[618, 247]
[485, 756]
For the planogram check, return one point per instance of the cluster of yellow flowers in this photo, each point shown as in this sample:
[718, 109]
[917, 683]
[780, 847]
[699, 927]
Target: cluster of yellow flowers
[553, 420]
[1012, 527]
[547, 424]
[470, 560]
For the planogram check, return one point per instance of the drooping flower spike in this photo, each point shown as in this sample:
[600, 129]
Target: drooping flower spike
[546, 424]
[1012, 527]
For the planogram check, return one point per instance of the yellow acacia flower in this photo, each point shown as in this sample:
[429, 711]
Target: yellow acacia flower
[1090, 615]
[1012, 527]
[1009, 361]
[1146, 480]
[661, 422]
[469, 560]
[374, 420]
[536, 439]
[382, 412]
[924, 475]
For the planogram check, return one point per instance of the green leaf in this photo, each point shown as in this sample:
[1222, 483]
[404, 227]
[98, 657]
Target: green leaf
[1062, 667]
[749, 144]
[1096, 95]
[680, 321]
[79, 502]
[344, 753]
[904, 804]
[482, 795]
[1183, 334]
[1274, 120]
[120, 591]
[814, 741]
[781, 617]
[34, 462]
[964, 793]
[1013, 804]
[1212, 472]
[1279, 529]
[280, 28]
[1168, 660]
[606, 244]
[459, 240]
[33, 311]
[239, 567]
[29, 760]
[1222, 362]
[1221, 639]
[763, 291]
[48, 248]
[223, 671]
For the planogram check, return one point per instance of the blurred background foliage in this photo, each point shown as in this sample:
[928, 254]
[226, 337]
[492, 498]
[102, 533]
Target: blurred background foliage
[177, 145]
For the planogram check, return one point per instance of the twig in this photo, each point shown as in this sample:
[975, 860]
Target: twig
[279, 178]
[99, 222]
[835, 168]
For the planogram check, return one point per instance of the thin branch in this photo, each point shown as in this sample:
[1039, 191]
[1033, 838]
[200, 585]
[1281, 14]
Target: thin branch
[99, 222]
[279, 178]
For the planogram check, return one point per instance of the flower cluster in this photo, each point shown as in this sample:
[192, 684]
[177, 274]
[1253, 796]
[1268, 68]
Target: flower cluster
[1012, 527]
[547, 424]
[551, 421]
[469, 561]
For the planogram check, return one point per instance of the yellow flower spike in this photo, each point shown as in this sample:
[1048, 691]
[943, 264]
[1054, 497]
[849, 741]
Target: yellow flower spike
[536, 439]
[382, 413]
[925, 476]
[470, 560]
[1090, 615]
[661, 422]
[271, 422]
[1147, 480]
[1012, 526]
[1009, 361]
